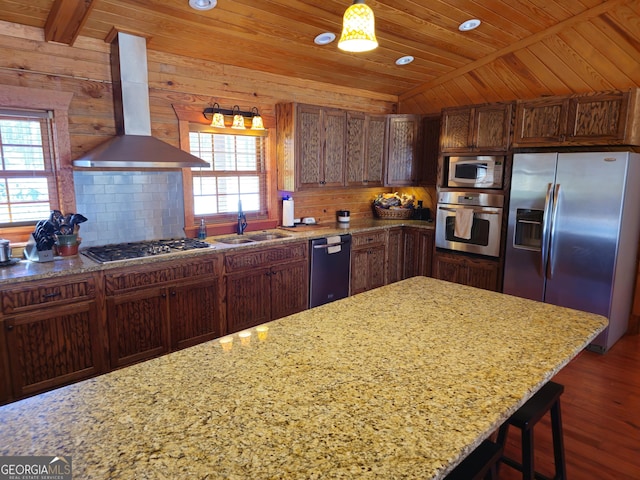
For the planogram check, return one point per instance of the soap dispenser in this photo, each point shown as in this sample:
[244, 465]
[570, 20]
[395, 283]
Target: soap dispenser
[202, 232]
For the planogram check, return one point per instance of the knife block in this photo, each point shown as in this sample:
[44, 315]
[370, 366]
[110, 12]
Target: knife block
[32, 253]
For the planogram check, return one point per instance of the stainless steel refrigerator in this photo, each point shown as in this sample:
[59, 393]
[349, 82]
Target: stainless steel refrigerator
[572, 238]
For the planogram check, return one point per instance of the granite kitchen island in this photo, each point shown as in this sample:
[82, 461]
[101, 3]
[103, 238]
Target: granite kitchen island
[397, 382]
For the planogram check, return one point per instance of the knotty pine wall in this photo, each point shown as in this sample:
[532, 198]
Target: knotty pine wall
[84, 69]
[323, 204]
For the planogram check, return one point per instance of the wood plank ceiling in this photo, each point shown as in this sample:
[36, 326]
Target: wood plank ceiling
[523, 48]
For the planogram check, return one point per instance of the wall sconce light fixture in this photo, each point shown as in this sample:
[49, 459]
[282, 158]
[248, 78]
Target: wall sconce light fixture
[217, 114]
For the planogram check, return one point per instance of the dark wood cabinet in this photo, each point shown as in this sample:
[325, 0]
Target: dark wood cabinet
[5, 377]
[365, 149]
[368, 257]
[266, 284]
[53, 333]
[152, 310]
[403, 150]
[603, 118]
[310, 146]
[428, 165]
[476, 128]
[395, 255]
[138, 325]
[466, 270]
[418, 252]
[248, 299]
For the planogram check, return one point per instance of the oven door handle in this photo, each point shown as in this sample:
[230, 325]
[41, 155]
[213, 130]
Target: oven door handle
[478, 210]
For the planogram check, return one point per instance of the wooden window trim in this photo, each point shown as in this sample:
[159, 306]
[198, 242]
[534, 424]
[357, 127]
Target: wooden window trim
[191, 114]
[58, 103]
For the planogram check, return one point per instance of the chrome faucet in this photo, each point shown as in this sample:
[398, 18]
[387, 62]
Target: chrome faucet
[242, 219]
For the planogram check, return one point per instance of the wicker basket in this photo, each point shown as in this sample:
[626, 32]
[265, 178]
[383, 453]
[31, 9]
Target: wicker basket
[393, 213]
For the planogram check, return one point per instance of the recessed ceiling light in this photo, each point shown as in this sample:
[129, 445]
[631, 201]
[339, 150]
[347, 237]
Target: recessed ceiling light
[404, 60]
[203, 4]
[469, 25]
[324, 38]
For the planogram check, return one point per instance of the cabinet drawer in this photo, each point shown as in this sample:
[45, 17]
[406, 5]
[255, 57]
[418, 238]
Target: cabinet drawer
[368, 238]
[33, 295]
[235, 262]
[131, 278]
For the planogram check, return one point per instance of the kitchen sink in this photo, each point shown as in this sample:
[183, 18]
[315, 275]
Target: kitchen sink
[234, 240]
[252, 238]
[260, 237]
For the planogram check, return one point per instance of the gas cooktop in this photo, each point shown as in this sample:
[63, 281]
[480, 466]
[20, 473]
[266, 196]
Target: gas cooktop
[128, 251]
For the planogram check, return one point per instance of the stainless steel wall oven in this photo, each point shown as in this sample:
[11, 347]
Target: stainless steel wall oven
[470, 222]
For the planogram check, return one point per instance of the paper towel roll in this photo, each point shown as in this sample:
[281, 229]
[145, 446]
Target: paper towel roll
[287, 212]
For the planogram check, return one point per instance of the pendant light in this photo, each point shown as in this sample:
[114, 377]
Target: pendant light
[217, 120]
[238, 119]
[358, 29]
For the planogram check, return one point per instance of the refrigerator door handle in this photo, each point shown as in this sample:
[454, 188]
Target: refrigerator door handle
[544, 247]
[551, 264]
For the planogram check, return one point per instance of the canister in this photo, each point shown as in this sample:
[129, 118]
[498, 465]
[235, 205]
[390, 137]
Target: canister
[5, 250]
[343, 216]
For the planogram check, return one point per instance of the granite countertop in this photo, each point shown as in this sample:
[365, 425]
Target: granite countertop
[397, 382]
[26, 270]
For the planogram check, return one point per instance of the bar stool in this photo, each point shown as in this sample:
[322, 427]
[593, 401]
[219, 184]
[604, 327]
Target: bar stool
[547, 398]
[479, 464]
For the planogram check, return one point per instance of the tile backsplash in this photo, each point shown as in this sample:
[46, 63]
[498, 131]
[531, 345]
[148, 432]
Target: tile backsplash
[129, 206]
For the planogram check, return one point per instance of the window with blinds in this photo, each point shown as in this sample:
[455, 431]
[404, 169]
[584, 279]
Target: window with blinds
[236, 173]
[27, 177]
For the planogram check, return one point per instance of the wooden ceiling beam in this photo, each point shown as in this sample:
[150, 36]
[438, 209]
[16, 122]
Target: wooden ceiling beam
[65, 20]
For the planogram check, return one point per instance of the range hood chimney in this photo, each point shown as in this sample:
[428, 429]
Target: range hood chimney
[133, 147]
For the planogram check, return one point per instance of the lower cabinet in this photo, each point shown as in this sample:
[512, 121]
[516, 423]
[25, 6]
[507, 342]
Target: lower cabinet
[418, 252]
[153, 310]
[266, 284]
[368, 257]
[52, 333]
[466, 270]
[395, 255]
[5, 386]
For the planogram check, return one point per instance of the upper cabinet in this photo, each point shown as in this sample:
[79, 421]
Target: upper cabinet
[428, 165]
[403, 152]
[311, 146]
[365, 149]
[476, 128]
[323, 147]
[605, 118]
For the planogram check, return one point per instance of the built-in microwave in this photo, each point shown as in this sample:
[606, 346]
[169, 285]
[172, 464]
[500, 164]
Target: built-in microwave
[482, 171]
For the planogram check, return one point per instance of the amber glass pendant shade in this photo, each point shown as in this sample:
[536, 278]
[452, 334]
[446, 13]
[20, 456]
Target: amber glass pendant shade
[358, 29]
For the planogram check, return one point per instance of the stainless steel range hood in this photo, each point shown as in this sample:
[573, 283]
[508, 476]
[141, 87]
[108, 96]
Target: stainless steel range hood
[133, 147]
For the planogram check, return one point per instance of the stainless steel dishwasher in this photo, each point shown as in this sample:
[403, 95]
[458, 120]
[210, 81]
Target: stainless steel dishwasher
[330, 269]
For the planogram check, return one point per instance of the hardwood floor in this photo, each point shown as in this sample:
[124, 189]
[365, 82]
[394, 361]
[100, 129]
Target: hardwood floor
[600, 415]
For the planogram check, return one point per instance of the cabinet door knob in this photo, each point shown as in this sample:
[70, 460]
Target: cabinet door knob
[9, 327]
